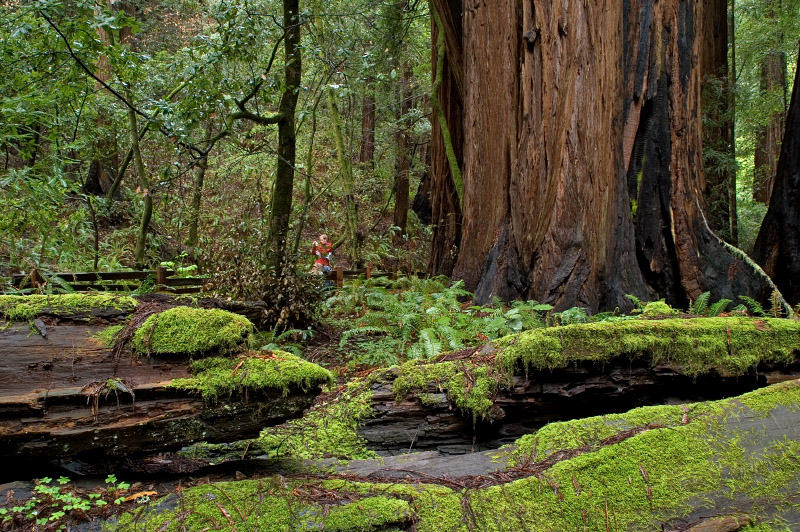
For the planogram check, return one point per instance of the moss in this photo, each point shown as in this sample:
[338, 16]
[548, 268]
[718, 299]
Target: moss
[328, 430]
[729, 345]
[109, 335]
[192, 331]
[658, 309]
[26, 308]
[217, 377]
[653, 478]
[469, 386]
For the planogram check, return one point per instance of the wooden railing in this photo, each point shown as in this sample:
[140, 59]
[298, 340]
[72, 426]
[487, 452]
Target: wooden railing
[164, 279]
[338, 275]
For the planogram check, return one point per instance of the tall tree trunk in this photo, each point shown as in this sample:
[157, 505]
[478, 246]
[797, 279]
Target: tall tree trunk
[582, 156]
[403, 157]
[446, 210]
[144, 187]
[773, 78]
[717, 95]
[348, 182]
[777, 246]
[367, 155]
[287, 141]
[197, 197]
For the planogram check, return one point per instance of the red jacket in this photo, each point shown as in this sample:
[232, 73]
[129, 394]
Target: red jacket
[322, 251]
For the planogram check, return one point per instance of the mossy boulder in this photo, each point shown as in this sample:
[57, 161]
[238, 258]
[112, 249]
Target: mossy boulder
[217, 377]
[26, 308]
[193, 332]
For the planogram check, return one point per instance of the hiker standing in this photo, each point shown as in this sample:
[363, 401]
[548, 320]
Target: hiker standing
[323, 250]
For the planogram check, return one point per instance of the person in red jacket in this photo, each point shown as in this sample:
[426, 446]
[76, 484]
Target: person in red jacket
[323, 251]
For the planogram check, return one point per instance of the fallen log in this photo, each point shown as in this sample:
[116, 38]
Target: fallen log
[70, 396]
[713, 466]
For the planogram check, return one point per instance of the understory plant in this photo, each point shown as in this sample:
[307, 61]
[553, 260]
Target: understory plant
[414, 319]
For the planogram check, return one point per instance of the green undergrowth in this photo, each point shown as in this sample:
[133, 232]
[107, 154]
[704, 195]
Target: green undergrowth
[219, 377]
[724, 458]
[328, 430]
[730, 346]
[26, 308]
[193, 332]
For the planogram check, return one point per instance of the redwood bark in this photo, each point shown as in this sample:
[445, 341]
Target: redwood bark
[777, 247]
[446, 211]
[582, 155]
[720, 184]
[768, 148]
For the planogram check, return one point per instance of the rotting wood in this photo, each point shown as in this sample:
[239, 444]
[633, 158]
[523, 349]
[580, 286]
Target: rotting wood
[48, 387]
[586, 389]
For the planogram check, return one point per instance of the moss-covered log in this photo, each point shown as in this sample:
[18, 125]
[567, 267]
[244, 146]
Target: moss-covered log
[482, 398]
[724, 465]
[69, 395]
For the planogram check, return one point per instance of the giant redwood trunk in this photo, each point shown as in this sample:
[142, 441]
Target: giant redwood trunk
[582, 155]
[777, 246]
[773, 78]
[445, 208]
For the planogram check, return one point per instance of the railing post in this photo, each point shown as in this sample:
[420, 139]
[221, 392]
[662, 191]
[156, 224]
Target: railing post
[394, 272]
[339, 277]
[367, 272]
[161, 278]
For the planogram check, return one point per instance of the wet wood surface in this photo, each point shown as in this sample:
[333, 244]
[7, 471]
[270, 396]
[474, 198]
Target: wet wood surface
[65, 396]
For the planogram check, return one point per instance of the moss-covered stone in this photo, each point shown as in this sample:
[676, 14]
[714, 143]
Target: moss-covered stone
[217, 377]
[193, 332]
[724, 457]
[328, 430]
[26, 308]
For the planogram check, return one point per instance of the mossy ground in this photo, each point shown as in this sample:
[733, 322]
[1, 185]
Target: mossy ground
[26, 308]
[193, 332]
[707, 462]
[217, 377]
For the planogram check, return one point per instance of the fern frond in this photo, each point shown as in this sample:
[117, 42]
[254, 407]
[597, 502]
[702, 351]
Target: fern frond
[700, 306]
[753, 306]
[719, 307]
[346, 335]
[636, 302]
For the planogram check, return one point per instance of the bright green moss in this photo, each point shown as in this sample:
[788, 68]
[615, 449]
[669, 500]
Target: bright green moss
[328, 430]
[217, 377]
[26, 308]
[469, 386]
[192, 331]
[728, 345]
[658, 309]
[639, 483]
[109, 335]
